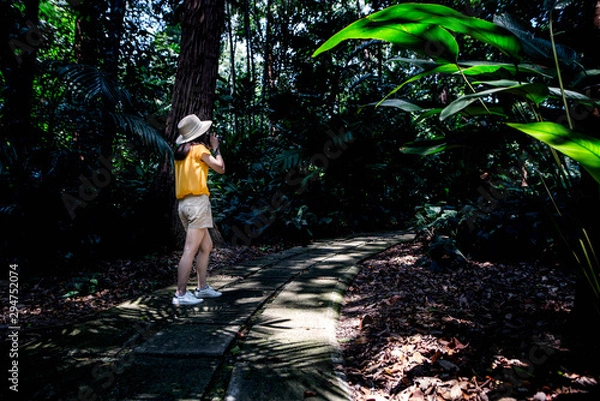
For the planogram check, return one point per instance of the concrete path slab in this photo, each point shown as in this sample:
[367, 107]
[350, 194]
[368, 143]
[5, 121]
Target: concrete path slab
[252, 382]
[190, 339]
[157, 379]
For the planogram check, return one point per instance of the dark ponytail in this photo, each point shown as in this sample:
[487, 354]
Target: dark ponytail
[182, 150]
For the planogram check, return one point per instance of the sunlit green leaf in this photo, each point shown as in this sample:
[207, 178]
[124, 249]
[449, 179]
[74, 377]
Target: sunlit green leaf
[451, 20]
[580, 147]
[422, 38]
[426, 28]
[484, 67]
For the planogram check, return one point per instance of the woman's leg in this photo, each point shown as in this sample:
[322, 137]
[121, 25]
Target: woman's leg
[193, 240]
[202, 259]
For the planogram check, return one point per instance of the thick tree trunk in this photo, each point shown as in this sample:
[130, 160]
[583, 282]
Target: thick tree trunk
[21, 40]
[19, 67]
[196, 79]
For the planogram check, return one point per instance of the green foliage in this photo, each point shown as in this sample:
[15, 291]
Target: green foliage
[433, 217]
[529, 94]
[90, 154]
[82, 285]
[393, 20]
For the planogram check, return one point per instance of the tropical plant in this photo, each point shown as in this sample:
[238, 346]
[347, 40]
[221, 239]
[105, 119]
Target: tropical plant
[95, 90]
[521, 91]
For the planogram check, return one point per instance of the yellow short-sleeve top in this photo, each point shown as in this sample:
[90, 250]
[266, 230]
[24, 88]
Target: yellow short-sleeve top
[191, 173]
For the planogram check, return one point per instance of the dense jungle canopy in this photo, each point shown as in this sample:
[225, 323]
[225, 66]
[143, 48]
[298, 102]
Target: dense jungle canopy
[90, 93]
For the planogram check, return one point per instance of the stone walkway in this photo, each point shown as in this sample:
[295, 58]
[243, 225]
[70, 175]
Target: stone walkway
[271, 336]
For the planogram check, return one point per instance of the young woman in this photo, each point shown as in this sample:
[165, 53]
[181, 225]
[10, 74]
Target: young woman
[197, 151]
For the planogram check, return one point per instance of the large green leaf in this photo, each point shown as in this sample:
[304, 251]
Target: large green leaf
[425, 147]
[580, 98]
[422, 38]
[441, 69]
[425, 28]
[538, 93]
[468, 68]
[454, 21]
[475, 68]
[580, 147]
[397, 103]
[533, 92]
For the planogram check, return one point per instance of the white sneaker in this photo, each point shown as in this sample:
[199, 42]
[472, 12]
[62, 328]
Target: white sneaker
[207, 292]
[186, 299]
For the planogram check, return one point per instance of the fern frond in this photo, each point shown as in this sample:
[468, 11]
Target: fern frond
[289, 159]
[150, 137]
[91, 85]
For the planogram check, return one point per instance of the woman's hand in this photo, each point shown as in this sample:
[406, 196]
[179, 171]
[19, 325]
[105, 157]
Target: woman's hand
[214, 161]
[214, 142]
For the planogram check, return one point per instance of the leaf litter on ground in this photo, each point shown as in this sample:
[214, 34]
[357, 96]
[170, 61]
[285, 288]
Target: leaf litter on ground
[475, 331]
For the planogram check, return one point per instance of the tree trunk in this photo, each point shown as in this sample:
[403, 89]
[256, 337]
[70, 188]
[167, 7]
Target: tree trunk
[87, 33]
[268, 73]
[111, 48]
[248, 30]
[196, 78]
[232, 50]
[114, 33]
[19, 67]
[87, 52]
[21, 40]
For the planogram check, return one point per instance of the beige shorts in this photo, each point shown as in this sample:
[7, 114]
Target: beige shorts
[195, 212]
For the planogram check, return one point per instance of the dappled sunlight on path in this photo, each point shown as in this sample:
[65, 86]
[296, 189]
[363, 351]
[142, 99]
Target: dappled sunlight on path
[270, 336]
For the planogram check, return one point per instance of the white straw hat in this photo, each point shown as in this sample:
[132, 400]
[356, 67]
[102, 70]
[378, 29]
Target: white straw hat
[191, 127]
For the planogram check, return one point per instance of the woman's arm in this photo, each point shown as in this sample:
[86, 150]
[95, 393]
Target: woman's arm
[214, 161]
